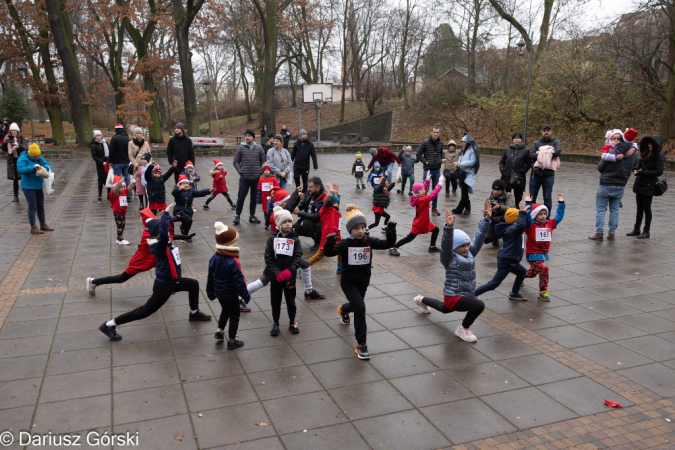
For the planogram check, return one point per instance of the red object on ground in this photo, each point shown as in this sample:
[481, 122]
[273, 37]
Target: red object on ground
[613, 404]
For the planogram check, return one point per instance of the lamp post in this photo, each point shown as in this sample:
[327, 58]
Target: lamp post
[362, 97]
[521, 51]
[207, 86]
[23, 70]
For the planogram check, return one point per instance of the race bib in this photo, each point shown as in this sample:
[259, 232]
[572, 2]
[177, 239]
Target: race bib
[123, 200]
[176, 255]
[267, 187]
[340, 223]
[542, 235]
[359, 256]
[283, 246]
[523, 240]
[359, 168]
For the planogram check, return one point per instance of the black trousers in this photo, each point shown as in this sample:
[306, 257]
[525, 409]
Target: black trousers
[304, 174]
[449, 180]
[213, 196]
[308, 228]
[101, 177]
[411, 237]
[464, 202]
[518, 195]
[377, 219]
[644, 207]
[115, 279]
[471, 305]
[185, 220]
[276, 290]
[160, 294]
[502, 271]
[356, 297]
[229, 312]
[490, 236]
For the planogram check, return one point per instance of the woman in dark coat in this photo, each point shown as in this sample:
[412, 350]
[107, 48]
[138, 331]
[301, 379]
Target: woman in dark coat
[515, 163]
[99, 153]
[13, 145]
[649, 167]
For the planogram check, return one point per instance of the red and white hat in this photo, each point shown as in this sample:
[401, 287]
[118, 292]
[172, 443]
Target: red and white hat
[182, 179]
[156, 168]
[146, 215]
[119, 126]
[119, 179]
[279, 196]
[536, 208]
[216, 163]
[189, 164]
[629, 135]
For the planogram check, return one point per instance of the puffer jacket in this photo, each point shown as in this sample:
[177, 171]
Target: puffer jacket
[12, 173]
[275, 264]
[467, 162]
[512, 234]
[98, 154]
[650, 168]
[302, 152]
[460, 271]
[505, 201]
[381, 196]
[516, 159]
[407, 163]
[154, 187]
[617, 173]
[248, 161]
[184, 199]
[430, 153]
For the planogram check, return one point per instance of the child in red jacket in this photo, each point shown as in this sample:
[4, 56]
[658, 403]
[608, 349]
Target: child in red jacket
[421, 224]
[265, 185]
[118, 203]
[331, 220]
[219, 186]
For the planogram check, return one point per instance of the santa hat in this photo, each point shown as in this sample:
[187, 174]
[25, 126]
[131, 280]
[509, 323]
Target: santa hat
[156, 168]
[536, 208]
[118, 179]
[119, 126]
[182, 179]
[226, 238]
[281, 216]
[146, 215]
[279, 196]
[416, 187]
[216, 163]
[189, 164]
[266, 166]
[629, 135]
[354, 217]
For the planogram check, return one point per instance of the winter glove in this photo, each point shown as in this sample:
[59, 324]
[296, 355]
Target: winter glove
[391, 226]
[331, 238]
[285, 275]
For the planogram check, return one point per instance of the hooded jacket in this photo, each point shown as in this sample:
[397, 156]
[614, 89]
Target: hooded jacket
[118, 150]
[168, 268]
[650, 168]
[225, 279]
[430, 153]
[248, 161]
[557, 146]
[512, 234]
[460, 271]
[381, 196]
[25, 165]
[451, 156]
[407, 163]
[302, 152]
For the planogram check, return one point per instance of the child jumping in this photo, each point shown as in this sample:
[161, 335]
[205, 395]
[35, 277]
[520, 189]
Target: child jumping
[118, 203]
[381, 202]
[219, 186]
[226, 282]
[539, 234]
[509, 256]
[357, 170]
[458, 253]
[265, 185]
[154, 186]
[282, 259]
[357, 253]
[421, 224]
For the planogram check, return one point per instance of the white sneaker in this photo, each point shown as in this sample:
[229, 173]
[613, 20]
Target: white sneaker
[91, 287]
[465, 334]
[123, 242]
[423, 308]
[384, 228]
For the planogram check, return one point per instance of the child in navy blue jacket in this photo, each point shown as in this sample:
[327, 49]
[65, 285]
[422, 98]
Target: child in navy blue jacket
[226, 282]
[167, 279]
[511, 253]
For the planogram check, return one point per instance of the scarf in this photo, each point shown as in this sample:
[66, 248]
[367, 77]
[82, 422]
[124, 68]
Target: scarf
[139, 143]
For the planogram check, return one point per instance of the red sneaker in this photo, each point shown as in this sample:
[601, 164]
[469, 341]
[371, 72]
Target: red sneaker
[435, 212]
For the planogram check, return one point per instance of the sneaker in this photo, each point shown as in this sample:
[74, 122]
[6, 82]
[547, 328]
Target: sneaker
[293, 328]
[122, 242]
[434, 249]
[253, 219]
[243, 307]
[233, 207]
[99, 200]
[199, 316]
[220, 335]
[544, 296]
[205, 207]
[518, 297]
[384, 228]
[393, 252]
[339, 269]
[267, 227]
[314, 295]
[465, 334]
[91, 287]
[111, 332]
[423, 308]
[435, 212]
[362, 351]
[344, 318]
[234, 344]
[596, 237]
[194, 210]
[275, 330]
[236, 220]
[398, 191]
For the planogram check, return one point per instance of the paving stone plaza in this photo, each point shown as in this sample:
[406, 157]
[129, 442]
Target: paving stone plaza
[537, 378]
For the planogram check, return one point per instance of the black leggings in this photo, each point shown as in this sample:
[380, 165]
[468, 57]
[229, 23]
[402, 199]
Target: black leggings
[471, 305]
[356, 305]
[115, 279]
[160, 294]
[644, 206]
[276, 290]
[465, 202]
[213, 196]
[411, 237]
[230, 312]
[377, 219]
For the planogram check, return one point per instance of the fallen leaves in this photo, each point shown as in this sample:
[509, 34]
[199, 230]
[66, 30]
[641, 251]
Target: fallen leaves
[263, 424]
[179, 437]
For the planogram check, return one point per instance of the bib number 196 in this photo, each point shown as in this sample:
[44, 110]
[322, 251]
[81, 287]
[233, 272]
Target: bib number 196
[359, 256]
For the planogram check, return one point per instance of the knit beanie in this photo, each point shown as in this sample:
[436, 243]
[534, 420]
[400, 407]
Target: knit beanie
[266, 166]
[278, 138]
[407, 148]
[372, 150]
[180, 126]
[377, 165]
[281, 216]
[279, 196]
[354, 217]
[629, 135]
[536, 208]
[251, 132]
[358, 155]
[459, 238]
[611, 133]
[511, 215]
[302, 132]
[416, 187]
[34, 150]
[226, 238]
[153, 226]
[499, 185]
[147, 157]
[15, 127]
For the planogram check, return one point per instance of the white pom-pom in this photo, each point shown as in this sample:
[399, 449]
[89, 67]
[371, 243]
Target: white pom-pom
[277, 208]
[220, 227]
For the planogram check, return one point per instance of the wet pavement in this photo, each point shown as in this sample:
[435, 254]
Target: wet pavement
[538, 376]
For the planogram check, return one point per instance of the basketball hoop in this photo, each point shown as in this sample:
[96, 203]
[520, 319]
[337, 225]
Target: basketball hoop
[318, 103]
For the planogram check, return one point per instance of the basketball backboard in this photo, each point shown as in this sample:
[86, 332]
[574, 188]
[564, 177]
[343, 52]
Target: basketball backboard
[311, 93]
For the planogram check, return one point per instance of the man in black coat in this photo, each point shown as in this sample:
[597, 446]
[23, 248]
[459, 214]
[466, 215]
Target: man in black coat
[286, 134]
[431, 155]
[303, 150]
[118, 154]
[180, 150]
[308, 212]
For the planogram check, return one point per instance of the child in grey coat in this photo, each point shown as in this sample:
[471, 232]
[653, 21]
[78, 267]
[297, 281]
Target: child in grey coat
[408, 161]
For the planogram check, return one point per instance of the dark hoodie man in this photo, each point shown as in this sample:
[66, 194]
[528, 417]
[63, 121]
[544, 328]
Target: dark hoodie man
[118, 152]
[180, 150]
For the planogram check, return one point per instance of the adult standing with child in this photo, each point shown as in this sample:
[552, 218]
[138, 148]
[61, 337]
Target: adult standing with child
[280, 161]
[14, 144]
[544, 178]
[649, 168]
[138, 146]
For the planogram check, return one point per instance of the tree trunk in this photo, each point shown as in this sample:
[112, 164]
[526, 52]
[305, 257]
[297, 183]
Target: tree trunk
[155, 127]
[266, 104]
[52, 106]
[543, 31]
[188, 79]
[63, 41]
[668, 114]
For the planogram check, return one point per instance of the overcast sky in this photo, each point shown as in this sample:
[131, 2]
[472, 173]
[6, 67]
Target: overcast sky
[603, 11]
